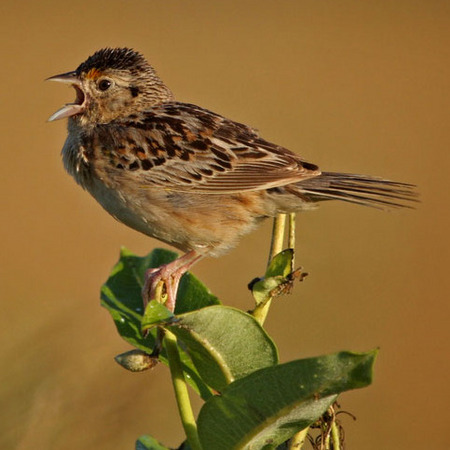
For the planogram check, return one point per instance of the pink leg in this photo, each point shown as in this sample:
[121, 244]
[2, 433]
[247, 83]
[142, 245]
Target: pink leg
[170, 274]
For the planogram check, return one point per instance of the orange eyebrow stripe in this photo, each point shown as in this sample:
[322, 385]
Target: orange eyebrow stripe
[93, 74]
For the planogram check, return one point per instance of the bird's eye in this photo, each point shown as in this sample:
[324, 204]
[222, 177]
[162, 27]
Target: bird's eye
[104, 84]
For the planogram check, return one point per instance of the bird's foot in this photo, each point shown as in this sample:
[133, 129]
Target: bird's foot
[169, 275]
[161, 281]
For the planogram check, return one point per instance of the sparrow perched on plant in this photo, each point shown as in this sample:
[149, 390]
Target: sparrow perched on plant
[182, 174]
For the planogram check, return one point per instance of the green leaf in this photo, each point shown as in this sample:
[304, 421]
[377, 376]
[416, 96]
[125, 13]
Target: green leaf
[224, 343]
[149, 443]
[121, 296]
[262, 289]
[193, 295]
[269, 406]
[281, 264]
[276, 274]
[155, 313]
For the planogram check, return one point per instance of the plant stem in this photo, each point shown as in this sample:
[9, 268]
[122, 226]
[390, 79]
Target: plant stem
[159, 292]
[276, 246]
[181, 392]
[335, 438]
[291, 237]
[298, 439]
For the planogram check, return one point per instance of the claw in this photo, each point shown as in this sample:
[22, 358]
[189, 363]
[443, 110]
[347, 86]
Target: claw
[170, 275]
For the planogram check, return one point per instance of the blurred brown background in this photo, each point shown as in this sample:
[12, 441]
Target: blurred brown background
[352, 86]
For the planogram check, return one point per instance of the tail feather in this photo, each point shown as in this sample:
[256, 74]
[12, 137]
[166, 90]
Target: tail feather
[359, 189]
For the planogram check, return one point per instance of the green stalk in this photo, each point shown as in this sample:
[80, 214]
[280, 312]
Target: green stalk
[276, 246]
[181, 392]
[298, 439]
[291, 237]
[335, 438]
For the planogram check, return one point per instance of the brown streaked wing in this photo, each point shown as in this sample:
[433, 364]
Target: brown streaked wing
[183, 147]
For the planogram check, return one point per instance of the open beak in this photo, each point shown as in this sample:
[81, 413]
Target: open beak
[70, 109]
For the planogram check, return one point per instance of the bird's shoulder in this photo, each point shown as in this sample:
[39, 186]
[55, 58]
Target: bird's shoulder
[190, 123]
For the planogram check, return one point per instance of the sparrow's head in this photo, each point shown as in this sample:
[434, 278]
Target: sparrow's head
[111, 84]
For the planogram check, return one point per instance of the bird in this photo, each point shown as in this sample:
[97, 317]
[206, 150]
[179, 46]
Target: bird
[183, 174]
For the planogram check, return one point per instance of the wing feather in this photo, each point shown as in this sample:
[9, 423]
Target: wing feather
[182, 147]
